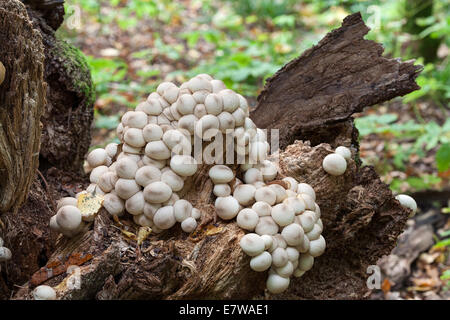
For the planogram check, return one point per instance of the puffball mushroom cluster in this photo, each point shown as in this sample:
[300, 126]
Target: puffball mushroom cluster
[5, 253]
[336, 163]
[145, 173]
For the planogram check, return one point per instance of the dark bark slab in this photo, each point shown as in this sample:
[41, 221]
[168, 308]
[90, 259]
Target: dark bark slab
[323, 87]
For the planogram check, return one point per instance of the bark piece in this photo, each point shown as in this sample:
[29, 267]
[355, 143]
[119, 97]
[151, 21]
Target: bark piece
[22, 100]
[339, 76]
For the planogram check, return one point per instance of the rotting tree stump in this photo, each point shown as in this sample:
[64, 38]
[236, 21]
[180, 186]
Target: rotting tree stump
[311, 100]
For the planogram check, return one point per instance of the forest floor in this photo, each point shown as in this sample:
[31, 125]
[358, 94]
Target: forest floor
[127, 64]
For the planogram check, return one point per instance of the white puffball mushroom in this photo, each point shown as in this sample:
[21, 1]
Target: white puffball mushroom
[68, 218]
[252, 175]
[276, 283]
[200, 111]
[317, 247]
[157, 150]
[282, 214]
[107, 181]
[226, 122]
[247, 219]
[183, 165]
[266, 225]
[157, 192]
[172, 180]
[295, 203]
[143, 221]
[292, 253]
[266, 194]
[268, 241]
[135, 204]
[279, 257]
[134, 137]
[186, 104]
[150, 209]
[293, 234]
[308, 201]
[307, 220]
[113, 204]
[96, 173]
[187, 122]
[226, 207]
[305, 262]
[164, 218]
[152, 107]
[268, 170]
[285, 271]
[314, 234]
[334, 164]
[126, 168]
[53, 225]
[213, 104]
[135, 119]
[44, 292]
[220, 174]
[153, 162]
[125, 188]
[407, 202]
[146, 175]
[196, 214]
[189, 225]
[279, 191]
[66, 201]
[245, 194]
[152, 132]
[182, 210]
[298, 273]
[293, 184]
[252, 244]
[199, 83]
[207, 127]
[261, 262]
[5, 254]
[217, 85]
[262, 208]
[97, 157]
[344, 152]
[222, 190]
[307, 189]
[230, 100]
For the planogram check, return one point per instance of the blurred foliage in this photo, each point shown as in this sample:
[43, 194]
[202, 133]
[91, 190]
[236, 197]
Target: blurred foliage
[243, 42]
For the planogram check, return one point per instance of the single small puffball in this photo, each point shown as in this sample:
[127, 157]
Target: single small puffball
[293, 184]
[157, 192]
[97, 157]
[268, 170]
[164, 218]
[247, 219]
[183, 165]
[157, 150]
[53, 225]
[261, 262]
[68, 218]
[217, 85]
[135, 119]
[308, 200]
[281, 243]
[134, 137]
[266, 194]
[279, 257]
[285, 271]
[245, 194]
[334, 164]
[226, 207]
[111, 149]
[252, 175]
[252, 244]
[279, 191]
[344, 152]
[307, 220]
[317, 247]
[143, 221]
[293, 234]
[304, 246]
[153, 162]
[96, 173]
[207, 127]
[150, 209]
[282, 214]
[187, 122]
[292, 253]
[189, 225]
[268, 241]
[152, 132]
[5, 254]
[44, 293]
[314, 234]
[125, 188]
[262, 208]
[182, 210]
[66, 201]
[147, 174]
[196, 214]
[226, 121]
[305, 262]
[266, 225]
[276, 283]
[113, 204]
[107, 181]
[213, 104]
[298, 273]
[407, 202]
[135, 204]
[306, 188]
[220, 174]
[222, 190]
[172, 180]
[295, 203]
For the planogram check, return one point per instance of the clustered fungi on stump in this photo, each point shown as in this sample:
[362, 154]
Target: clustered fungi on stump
[311, 98]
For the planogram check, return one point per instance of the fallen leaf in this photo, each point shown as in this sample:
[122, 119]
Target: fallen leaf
[143, 233]
[89, 205]
[386, 285]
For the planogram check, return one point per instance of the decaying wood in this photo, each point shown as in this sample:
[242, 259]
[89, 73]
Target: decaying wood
[22, 98]
[311, 98]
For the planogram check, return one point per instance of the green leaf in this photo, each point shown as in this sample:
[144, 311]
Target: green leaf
[443, 157]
